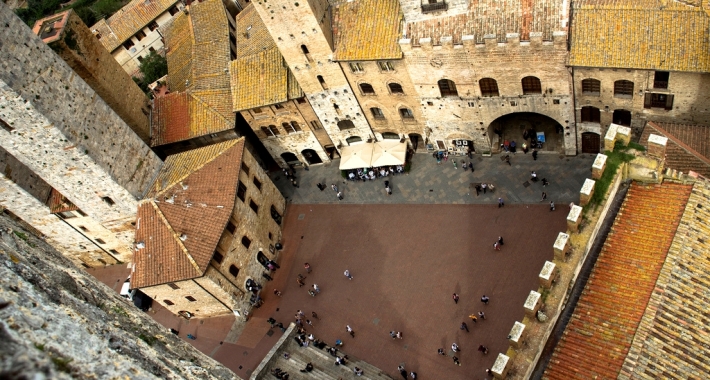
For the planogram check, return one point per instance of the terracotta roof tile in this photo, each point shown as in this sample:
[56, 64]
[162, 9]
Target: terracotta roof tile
[672, 338]
[178, 44]
[123, 24]
[181, 224]
[367, 30]
[497, 17]
[641, 34]
[182, 116]
[688, 146]
[257, 38]
[599, 334]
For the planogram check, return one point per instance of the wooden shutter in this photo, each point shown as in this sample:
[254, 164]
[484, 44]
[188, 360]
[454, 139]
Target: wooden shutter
[669, 102]
[647, 100]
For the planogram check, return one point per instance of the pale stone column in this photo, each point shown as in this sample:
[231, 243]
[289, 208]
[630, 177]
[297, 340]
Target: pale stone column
[532, 304]
[610, 137]
[623, 134]
[548, 274]
[657, 146]
[516, 335]
[599, 166]
[561, 246]
[574, 218]
[500, 367]
[585, 195]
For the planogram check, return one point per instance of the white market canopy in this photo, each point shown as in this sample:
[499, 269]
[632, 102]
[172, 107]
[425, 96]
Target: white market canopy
[382, 153]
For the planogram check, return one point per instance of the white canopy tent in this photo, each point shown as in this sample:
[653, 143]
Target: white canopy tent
[388, 152]
[355, 156]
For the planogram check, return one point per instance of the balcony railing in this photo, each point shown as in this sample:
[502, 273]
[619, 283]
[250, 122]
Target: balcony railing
[434, 7]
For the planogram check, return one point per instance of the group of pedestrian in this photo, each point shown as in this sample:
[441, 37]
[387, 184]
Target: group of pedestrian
[290, 174]
[338, 193]
[455, 349]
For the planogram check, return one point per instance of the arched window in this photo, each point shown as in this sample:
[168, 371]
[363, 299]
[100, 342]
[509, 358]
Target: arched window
[246, 242]
[390, 135]
[322, 82]
[447, 88]
[489, 87]
[531, 85]
[396, 88]
[353, 139]
[234, 271]
[304, 49]
[623, 89]
[345, 124]
[270, 131]
[590, 114]
[406, 113]
[591, 87]
[377, 113]
[291, 127]
[367, 89]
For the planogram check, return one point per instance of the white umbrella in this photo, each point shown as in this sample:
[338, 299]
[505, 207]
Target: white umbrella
[390, 152]
[355, 156]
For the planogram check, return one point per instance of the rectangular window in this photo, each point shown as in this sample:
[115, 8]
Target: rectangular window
[356, 67]
[274, 130]
[386, 65]
[168, 302]
[153, 25]
[66, 215]
[140, 35]
[301, 100]
[278, 106]
[218, 257]
[664, 101]
[173, 285]
[257, 183]
[190, 298]
[6, 126]
[231, 227]
[315, 125]
[292, 127]
[257, 110]
[83, 228]
[254, 206]
[100, 241]
[108, 200]
[128, 44]
[173, 10]
[113, 251]
[139, 58]
[245, 168]
[241, 191]
[150, 49]
[660, 79]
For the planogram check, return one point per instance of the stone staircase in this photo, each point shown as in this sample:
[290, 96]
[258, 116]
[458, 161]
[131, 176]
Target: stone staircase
[322, 361]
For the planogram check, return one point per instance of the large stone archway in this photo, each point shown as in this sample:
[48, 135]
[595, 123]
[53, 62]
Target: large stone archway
[523, 127]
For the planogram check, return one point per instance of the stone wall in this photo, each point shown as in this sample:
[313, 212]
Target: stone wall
[469, 115]
[691, 103]
[59, 322]
[295, 28]
[85, 54]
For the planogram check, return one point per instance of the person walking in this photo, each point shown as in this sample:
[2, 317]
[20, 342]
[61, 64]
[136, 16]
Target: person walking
[544, 196]
[484, 187]
[348, 275]
[413, 375]
[473, 318]
[478, 189]
[507, 160]
[481, 315]
[470, 166]
[485, 299]
[500, 202]
[500, 240]
[294, 183]
[314, 315]
[455, 347]
[464, 326]
[456, 298]
[402, 372]
[388, 190]
[496, 246]
[456, 361]
[339, 195]
[316, 288]
[335, 188]
[350, 330]
[552, 206]
[534, 155]
[441, 351]
[278, 294]
[309, 322]
[308, 267]
[483, 349]
[393, 334]
[399, 335]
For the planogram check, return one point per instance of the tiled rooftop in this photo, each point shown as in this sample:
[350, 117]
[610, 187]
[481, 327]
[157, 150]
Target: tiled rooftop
[599, 334]
[672, 339]
[367, 30]
[643, 34]
[178, 45]
[129, 20]
[259, 75]
[497, 17]
[181, 116]
[181, 222]
[688, 146]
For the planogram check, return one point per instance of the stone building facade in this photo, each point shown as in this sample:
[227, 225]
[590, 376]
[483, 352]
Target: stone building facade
[207, 231]
[56, 125]
[629, 78]
[133, 32]
[69, 37]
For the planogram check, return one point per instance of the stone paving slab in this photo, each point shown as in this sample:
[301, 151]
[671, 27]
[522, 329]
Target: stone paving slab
[429, 183]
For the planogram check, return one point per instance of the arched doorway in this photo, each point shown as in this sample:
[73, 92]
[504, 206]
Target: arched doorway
[622, 117]
[526, 127]
[290, 158]
[416, 140]
[311, 156]
[591, 142]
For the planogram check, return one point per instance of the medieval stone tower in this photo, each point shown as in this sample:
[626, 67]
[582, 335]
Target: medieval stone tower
[302, 32]
[69, 37]
[91, 163]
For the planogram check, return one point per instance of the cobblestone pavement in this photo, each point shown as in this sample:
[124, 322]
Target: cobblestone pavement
[429, 183]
